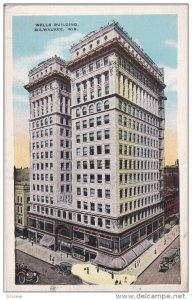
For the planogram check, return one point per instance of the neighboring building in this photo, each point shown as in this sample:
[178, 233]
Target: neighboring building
[117, 147]
[50, 148]
[171, 198]
[115, 210]
[22, 198]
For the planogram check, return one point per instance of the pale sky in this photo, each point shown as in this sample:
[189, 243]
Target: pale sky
[156, 34]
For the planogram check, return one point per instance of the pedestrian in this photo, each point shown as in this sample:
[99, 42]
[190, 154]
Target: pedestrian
[97, 270]
[112, 275]
[125, 280]
[155, 251]
[105, 269]
[135, 265]
[61, 256]
[164, 241]
[88, 270]
[53, 260]
[32, 242]
[120, 282]
[116, 281]
[50, 257]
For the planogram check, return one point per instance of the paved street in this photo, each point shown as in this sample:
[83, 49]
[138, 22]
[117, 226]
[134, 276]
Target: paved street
[152, 276]
[47, 274]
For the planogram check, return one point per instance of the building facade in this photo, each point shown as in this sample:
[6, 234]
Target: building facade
[117, 145]
[171, 194]
[117, 113]
[22, 199]
[50, 148]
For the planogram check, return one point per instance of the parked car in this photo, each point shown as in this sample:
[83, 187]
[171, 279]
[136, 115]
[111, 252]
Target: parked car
[25, 275]
[64, 268]
[169, 259]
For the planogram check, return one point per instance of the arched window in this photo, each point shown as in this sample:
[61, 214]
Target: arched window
[106, 105]
[50, 120]
[98, 106]
[77, 112]
[91, 109]
[46, 121]
[42, 122]
[84, 110]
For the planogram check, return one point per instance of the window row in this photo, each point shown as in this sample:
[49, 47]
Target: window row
[42, 199]
[135, 112]
[98, 121]
[92, 66]
[42, 166]
[99, 193]
[99, 207]
[42, 144]
[137, 151]
[138, 75]
[93, 178]
[42, 155]
[131, 123]
[93, 164]
[42, 122]
[137, 138]
[138, 216]
[42, 89]
[92, 108]
[129, 164]
[43, 188]
[138, 190]
[138, 177]
[93, 150]
[43, 177]
[139, 203]
[93, 136]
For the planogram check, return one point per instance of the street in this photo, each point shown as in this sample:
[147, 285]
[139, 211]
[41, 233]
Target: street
[152, 275]
[47, 274]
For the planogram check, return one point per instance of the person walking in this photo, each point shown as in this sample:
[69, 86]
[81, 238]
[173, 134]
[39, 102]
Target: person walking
[50, 257]
[53, 260]
[88, 270]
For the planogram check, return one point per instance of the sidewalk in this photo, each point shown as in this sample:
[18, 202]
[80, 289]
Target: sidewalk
[129, 274]
[91, 274]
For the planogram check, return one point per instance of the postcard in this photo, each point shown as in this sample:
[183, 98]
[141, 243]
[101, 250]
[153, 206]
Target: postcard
[96, 157]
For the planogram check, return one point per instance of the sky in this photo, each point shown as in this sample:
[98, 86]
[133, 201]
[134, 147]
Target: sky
[156, 34]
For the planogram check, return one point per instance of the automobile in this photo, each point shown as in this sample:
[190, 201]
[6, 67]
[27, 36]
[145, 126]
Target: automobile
[64, 268]
[25, 275]
[169, 259]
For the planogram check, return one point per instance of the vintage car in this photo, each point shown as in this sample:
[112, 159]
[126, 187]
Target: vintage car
[169, 259]
[25, 275]
[64, 268]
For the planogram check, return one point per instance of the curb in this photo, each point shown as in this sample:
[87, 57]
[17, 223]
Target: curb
[156, 257]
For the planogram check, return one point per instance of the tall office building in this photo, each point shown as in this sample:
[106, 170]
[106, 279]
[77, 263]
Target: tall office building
[50, 149]
[117, 94]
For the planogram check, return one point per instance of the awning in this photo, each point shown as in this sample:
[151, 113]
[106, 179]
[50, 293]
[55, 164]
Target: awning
[146, 244]
[110, 261]
[129, 256]
[47, 240]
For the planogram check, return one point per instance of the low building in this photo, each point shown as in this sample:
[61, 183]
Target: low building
[22, 197]
[171, 195]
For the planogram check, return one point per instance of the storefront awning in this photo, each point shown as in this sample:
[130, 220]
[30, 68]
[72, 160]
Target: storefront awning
[109, 261]
[129, 256]
[47, 240]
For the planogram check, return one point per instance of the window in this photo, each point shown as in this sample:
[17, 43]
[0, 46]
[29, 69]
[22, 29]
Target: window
[98, 106]
[98, 63]
[78, 140]
[84, 110]
[90, 67]
[99, 178]
[84, 151]
[78, 165]
[105, 58]
[106, 119]
[84, 70]
[85, 137]
[107, 209]
[99, 164]
[77, 73]
[91, 150]
[92, 178]
[107, 194]
[92, 164]
[91, 136]
[99, 193]
[107, 149]
[84, 164]
[78, 191]
[98, 121]
[92, 193]
[78, 125]
[107, 164]
[91, 109]
[91, 122]
[106, 105]
[107, 134]
[85, 124]
[107, 178]
[99, 136]
[77, 112]
[78, 152]
[99, 149]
